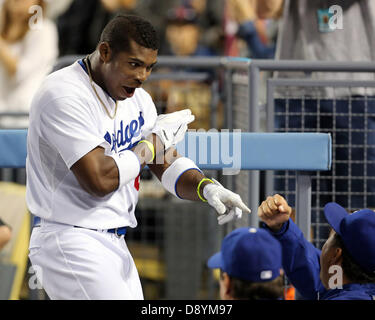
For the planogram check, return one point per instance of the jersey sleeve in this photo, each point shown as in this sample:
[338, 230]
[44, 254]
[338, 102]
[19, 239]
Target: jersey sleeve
[301, 260]
[68, 125]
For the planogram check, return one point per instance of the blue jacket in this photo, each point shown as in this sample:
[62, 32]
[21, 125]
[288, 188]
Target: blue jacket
[301, 263]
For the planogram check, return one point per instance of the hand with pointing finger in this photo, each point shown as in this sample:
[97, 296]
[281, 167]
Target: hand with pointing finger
[274, 212]
[228, 204]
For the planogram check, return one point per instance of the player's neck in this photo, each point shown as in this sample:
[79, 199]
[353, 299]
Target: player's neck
[96, 72]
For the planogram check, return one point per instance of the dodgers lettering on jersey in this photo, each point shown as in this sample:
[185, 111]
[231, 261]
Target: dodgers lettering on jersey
[123, 137]
[65, 128]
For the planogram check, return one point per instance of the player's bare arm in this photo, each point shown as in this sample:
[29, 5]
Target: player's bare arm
[185, 180]
[274, 212]
[188, 182]
[98, 174]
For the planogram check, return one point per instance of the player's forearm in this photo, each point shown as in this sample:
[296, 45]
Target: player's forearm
[179, 175]
[187, 185]
[97, 174]
[301, 261]
[120, 169]
[100, 174]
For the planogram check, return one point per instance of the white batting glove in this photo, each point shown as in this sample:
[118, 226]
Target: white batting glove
[228, 204]
[171, 127]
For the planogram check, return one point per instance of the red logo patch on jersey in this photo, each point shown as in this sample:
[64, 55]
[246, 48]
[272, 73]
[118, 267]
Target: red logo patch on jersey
[136, 183]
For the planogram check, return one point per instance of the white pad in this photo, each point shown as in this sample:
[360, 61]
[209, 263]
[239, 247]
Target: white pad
[175, 170]
[128, 166]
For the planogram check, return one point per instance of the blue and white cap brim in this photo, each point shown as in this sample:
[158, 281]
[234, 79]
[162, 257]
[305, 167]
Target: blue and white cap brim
[335, 214]
[216, 261]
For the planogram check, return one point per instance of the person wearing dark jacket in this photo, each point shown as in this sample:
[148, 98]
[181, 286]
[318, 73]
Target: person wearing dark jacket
[345, 267]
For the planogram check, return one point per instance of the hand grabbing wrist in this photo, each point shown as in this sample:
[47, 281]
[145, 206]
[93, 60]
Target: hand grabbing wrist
[275, 228]
[171, 127]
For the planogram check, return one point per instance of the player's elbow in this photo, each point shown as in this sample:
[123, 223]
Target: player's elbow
[100, 188]
[96, 185]
[95, 178]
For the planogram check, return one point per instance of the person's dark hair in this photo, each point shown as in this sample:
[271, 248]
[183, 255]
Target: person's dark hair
[122, 28]
[247, 290]
[352, 270]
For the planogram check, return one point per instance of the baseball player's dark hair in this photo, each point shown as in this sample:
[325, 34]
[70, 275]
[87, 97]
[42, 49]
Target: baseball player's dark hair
[247, 290]
[122, 28]
[352, 270]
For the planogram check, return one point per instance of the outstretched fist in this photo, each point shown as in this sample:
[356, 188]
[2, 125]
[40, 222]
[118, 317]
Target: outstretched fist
[274, 212]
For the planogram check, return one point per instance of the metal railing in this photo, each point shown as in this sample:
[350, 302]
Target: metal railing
[308, 68]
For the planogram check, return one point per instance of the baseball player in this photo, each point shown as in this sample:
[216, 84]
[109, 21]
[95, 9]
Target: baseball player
[345, 267]
[92, 129]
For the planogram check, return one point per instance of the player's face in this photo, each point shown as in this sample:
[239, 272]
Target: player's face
[127, 71]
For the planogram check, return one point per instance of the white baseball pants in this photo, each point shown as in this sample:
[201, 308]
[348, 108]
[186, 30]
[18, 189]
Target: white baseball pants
[79, 264]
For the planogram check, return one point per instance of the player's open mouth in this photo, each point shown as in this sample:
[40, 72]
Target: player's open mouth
[129, 91]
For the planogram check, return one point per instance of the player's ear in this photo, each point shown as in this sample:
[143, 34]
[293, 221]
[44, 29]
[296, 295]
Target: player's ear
[226, 286]
[105, 52]
[337, 256]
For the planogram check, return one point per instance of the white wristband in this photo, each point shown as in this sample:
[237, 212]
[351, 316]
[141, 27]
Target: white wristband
[128, 166]
[170, 176]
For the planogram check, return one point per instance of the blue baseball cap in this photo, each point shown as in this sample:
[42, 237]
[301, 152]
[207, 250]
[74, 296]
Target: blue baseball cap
[357, 231]
[249, 254]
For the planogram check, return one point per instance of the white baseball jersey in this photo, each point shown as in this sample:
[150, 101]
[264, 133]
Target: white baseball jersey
[66, 122]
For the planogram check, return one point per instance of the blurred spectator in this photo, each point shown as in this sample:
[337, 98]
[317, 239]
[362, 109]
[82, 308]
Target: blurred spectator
[210, 20]
[250, 266]
[183, 33]
[56, 8]
[81, 25]
[5, 234]
[183, 39]
[155, 11]
[242, 23]
[28, 49]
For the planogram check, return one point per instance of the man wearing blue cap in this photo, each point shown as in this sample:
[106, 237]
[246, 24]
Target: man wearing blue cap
[250, 265]
[344, 269]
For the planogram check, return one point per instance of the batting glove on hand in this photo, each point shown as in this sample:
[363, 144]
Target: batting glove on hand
[228, 204]
[171, 127]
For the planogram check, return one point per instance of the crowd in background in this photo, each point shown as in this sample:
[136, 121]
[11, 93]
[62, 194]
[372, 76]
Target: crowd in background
[186, 27]
[35, 33]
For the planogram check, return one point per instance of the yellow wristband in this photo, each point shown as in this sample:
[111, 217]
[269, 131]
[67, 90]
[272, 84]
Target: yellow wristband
[151, 147]
[199, 184]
